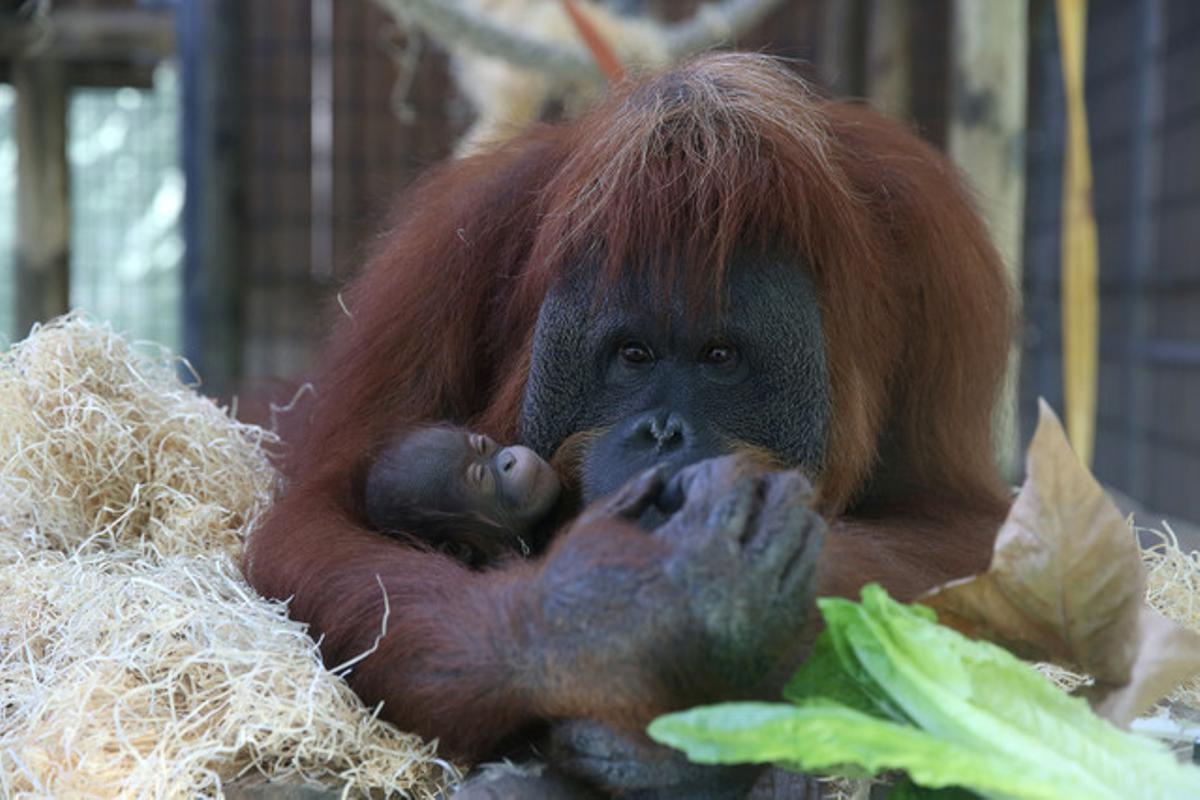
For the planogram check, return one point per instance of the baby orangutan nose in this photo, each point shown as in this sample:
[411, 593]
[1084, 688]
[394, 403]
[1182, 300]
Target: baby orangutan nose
[527, 483]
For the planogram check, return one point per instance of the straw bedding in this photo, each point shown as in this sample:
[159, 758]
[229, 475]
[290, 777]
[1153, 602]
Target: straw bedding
[134, 659]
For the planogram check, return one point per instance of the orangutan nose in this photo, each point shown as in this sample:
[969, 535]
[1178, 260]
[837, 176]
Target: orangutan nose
[663, 431]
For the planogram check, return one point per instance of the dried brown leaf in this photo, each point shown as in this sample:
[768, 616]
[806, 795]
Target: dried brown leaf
[1067, 585]
[1167, 655]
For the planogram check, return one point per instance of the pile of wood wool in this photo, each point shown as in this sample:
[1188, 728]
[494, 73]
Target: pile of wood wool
[134, 659]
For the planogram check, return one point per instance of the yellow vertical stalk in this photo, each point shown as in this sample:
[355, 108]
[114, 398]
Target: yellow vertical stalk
[1080, 300]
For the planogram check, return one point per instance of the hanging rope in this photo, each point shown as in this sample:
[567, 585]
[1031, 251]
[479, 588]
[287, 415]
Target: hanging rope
[1080, 301]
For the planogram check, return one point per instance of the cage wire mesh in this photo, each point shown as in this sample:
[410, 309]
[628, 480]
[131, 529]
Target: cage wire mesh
[301, 237]
[127, 192]
[337, 122]
[1144, 118]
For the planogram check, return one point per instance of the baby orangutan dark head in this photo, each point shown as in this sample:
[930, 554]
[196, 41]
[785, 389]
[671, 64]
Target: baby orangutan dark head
[460, 492]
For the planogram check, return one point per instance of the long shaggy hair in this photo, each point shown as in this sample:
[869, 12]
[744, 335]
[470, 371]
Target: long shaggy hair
[668, 177]
[731, 151]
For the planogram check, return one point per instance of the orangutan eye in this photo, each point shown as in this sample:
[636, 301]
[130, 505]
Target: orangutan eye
[636, 353]
[477, 476]
[719, 355]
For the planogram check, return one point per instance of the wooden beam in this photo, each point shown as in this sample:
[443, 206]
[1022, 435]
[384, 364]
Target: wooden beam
[43, 212]
[842, 44]
[889, 57]
[109, 75]
[84, 34]
[989, 47]
[1080, 261]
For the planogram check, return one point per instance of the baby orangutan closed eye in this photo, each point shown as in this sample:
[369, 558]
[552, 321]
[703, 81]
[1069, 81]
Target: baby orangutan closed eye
[461, 493]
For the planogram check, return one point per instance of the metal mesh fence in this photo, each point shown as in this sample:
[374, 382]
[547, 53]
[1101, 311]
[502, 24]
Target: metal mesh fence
[313, 206]
[338, 108]
[320, 168]
[1144, 116]
[126, 198]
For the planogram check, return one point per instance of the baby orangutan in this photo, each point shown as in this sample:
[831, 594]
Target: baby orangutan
[461, 492]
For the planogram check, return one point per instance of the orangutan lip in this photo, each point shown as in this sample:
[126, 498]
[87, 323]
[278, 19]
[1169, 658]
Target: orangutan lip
[540, 484]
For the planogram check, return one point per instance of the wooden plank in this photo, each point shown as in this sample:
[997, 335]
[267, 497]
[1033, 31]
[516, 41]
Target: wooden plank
[43, 210]
[930, 48]
[87, 34]
[842, 46]
[889, 57]
[989, 55]
[1080, 258]
[109, 75]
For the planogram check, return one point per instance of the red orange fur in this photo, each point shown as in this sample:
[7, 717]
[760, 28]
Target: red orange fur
[726, 153]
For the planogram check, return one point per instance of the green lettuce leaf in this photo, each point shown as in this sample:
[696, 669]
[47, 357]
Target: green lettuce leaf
[905, 789]
[832, 672]
[914, 695]
[823, 736]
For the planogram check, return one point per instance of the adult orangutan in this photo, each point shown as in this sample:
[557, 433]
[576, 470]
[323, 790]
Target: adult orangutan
[713, 261]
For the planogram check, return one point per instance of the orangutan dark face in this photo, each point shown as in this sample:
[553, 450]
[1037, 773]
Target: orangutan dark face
[672, 387]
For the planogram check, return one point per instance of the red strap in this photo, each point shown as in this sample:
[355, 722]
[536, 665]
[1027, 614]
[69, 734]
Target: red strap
[606, 59]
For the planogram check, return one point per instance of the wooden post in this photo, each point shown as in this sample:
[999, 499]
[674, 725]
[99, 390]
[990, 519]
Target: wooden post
[841, 57]
[44, 59]
[989, 59]
[212, 326]
[889, 57]
[1080, 262]
[43, 212]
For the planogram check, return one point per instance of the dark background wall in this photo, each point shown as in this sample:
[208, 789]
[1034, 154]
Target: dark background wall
[376, 151]
[1143, 95]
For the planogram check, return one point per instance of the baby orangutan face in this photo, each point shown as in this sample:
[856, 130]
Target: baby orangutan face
[513, 486]
[447, 483]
